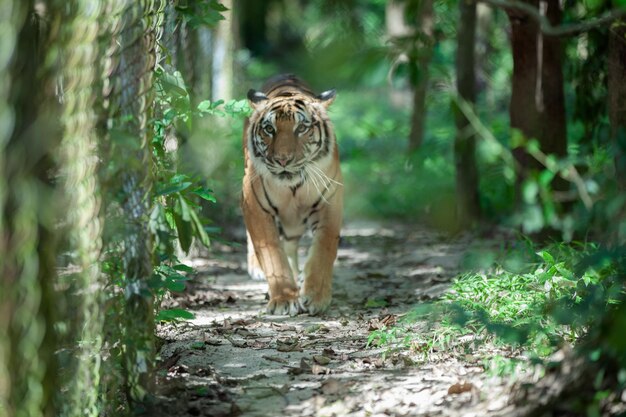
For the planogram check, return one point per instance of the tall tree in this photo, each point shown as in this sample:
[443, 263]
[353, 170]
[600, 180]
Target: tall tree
[223, 55]
[421, 56]
[537, 106]
[465, 142]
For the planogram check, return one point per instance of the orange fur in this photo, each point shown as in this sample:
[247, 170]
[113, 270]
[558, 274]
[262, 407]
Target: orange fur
[292, 182]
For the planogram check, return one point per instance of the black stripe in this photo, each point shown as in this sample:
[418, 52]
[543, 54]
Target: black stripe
[267, 197]
[255, 149]
[299, 104]
[259, 201]
[314, 206]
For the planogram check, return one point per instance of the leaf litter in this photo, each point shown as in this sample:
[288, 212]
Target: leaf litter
[244, 363]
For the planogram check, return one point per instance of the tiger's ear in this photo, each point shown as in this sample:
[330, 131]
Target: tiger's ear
[327, 97]
[255, 98]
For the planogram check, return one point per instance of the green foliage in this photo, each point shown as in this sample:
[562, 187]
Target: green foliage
[566, 289]
[200, 12]
[176, 216]
[174, 314]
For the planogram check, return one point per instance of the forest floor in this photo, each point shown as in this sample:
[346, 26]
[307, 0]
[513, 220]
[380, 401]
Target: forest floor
[232, 359]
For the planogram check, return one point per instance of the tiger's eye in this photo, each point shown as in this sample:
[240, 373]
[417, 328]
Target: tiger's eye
[301, 129]
[269, 129]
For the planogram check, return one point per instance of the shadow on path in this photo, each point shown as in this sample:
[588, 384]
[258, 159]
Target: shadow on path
[233, 360]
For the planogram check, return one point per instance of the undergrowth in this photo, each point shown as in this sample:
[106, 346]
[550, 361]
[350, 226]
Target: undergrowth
[510, 319]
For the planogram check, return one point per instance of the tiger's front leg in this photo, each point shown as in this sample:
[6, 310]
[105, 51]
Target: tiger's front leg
[316, 292]
[270, 255]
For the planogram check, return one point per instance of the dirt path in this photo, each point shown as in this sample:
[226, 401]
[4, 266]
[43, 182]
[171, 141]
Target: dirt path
[233, 360]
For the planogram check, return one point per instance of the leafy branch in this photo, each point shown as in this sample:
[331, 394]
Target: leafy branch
[562, 30]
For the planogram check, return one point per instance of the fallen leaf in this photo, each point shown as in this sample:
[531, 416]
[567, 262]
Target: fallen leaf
[257, 344]
[321, 359]
[309, 343]
[304, 367]
[295, 371]
[329, 352]
[213, 341]
[389, 320]
[283, 327]
[313, 328]
[288, 346]
[178, 370]
[244, 332]
[275, 359]
[460, 388]
[236, 343]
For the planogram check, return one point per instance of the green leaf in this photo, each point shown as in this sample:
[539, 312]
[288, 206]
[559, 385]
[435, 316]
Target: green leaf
[199, 228]
[175, 286]
[374, 303]
[173, 84]
[204, 194]
[171, 189]
[217, 6]
[178, 178]
[547, 257]
[517, 139]
[174, 314]
[185, 211]
[184, 268]
[205, 106]
[530, 189]
[184, 232]
[545, 177]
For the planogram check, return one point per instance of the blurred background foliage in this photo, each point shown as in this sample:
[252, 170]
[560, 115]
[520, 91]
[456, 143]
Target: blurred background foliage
[120, 146]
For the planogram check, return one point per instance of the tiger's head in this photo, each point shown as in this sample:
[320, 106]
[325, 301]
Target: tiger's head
[289, 131]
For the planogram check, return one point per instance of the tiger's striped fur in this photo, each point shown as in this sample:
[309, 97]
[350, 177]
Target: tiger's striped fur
[292, 183]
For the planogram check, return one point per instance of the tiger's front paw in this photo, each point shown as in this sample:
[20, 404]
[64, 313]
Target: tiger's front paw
[283, 306]
[314, 302]
[256, 273]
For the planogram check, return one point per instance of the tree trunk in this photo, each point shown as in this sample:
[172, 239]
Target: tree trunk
[617, 97]
[468, 205]
[223, 56]
[537, 103]
[28, 374]
[423, 55]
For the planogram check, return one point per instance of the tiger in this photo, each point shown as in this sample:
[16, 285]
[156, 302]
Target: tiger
[292, 183]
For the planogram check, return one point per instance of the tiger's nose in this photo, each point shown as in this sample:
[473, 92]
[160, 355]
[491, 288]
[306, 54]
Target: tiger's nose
[283, 160]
